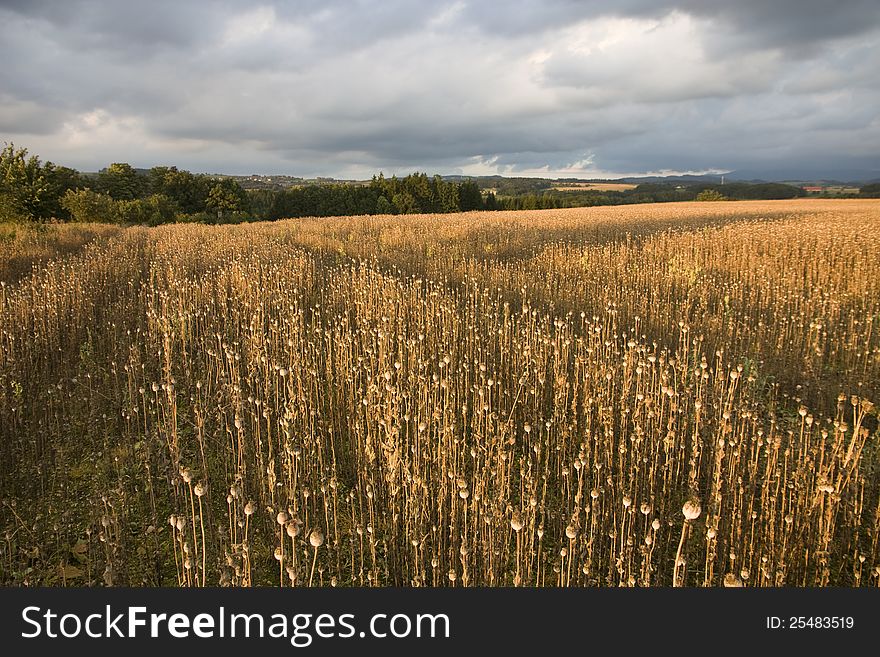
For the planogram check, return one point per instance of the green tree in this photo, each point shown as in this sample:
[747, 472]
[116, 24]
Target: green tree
[871, 190]
[156, 178]
[226, 197]
[25, 189]
[85, 205]
[421, 189]
[384, 206]
[711, 195]
[448, 193]
[60, 179]
[260, 202]
[154, 210]
[469, 196]
[122, 182]
[405, 203]
[187, 190]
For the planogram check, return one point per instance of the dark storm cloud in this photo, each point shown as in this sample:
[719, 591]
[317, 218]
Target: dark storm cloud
[123, 27]
[348, 87]
[802, 25]
[775, 23]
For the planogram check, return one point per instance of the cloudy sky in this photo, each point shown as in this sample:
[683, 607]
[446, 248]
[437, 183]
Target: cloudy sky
[346, 88]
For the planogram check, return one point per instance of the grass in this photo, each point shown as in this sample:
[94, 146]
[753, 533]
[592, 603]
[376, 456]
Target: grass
[638, 396]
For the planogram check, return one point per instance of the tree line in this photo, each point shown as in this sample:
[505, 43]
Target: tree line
[650, 193]
[31, 190]
[416, 193]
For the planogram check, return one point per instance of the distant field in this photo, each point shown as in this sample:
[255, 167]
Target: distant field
[651, 395]
[839, 190]
[595, 187]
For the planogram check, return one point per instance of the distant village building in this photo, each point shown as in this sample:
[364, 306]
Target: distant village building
[813, 188]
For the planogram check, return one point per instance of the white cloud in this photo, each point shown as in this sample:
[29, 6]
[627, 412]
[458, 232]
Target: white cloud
[248, 25]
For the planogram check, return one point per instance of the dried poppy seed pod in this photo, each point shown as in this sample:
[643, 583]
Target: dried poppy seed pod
[516, 521]
[316, 538]
[732, 580]
[200, 489]
[282, 518]
[249, 509]
[691, 510]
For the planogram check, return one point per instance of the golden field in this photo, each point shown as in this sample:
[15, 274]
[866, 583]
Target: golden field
[649, 395]
[595, 187]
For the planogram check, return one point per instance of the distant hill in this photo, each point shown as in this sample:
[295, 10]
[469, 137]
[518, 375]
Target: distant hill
[792, 176]
[513, 185]
[812, 176]
[687, 179]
